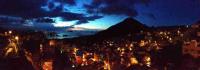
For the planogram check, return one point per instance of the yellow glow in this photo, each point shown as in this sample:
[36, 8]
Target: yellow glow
[8, 51]
[47, 66]
[75, 51]
[131, 45]
[106, 65]
[73, 65]
[41, 47]
[130, 49]
[170, 39]
[95, 57]
[178, 32]
[142, 43]
[16, 38]
[122, 49]
[133, 60]
[122, 53]
[148, 64]
[6, 33]
[148, 61]
[84, 59]
[10, 32]
[161, 32]
[12, 47]
[52, 42]
[118, 48]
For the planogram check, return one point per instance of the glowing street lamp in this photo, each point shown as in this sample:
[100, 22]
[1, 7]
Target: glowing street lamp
[12, 47]
[147, 60]
[6, 33]
[52, 43]
[142, 43]
[10, 32]
[16, 38]
[106, 65]
[133, 60]
[47, 65]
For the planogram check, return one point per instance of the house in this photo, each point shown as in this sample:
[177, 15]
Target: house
[192, 48]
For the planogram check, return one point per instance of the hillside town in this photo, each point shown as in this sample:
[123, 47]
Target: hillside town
[133, 47]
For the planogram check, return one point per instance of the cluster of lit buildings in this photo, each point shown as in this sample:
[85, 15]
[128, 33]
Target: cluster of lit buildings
[110, 54]
[107, 54]
[192, 47]
[13, 43]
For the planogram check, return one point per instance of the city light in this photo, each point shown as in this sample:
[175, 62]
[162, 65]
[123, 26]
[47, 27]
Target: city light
[147, 60]
[133, 60]
[16, 38]
[10, 32]
[142, 43]
[144, 50]
[52, 43]
[47, 65]
[106, 65]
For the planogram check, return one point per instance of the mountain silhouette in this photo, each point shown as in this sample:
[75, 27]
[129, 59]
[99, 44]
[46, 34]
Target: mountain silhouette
[127, 26]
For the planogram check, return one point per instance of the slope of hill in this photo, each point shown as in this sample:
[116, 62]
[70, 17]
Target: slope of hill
[125, 27]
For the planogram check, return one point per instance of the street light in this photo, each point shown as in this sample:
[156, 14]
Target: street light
[133, 60]
[16, 38]
[10, 32]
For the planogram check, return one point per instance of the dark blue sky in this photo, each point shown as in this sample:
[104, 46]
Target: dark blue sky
[169, 12]
[101, 14]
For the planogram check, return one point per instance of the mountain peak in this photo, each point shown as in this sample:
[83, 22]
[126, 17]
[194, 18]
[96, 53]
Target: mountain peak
[129, 25]
[129, 19]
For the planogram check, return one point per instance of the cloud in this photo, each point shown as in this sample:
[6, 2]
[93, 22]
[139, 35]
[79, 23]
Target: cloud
[27, 7]
[80, 17]
[38, 9]
[70, 2]
[86, 19]
[114, 7]
[81, 22]
[21, 8]
[53, 4]
[8, 19]
[45, 20]
[31, 8]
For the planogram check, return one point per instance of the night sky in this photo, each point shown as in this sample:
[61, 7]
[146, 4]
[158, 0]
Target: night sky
[96, 14]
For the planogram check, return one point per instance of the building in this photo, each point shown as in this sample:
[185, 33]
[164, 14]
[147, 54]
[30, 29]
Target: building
[196, 26]
[192, 48]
